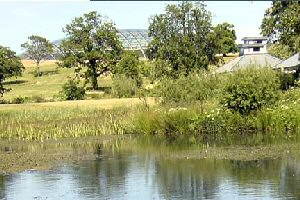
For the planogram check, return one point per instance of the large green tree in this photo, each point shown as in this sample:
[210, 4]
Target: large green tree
[183, 36]
[92, 46]
[225, 36]
[10, 65]
[38, 49]
[129, 66]
[281, 22]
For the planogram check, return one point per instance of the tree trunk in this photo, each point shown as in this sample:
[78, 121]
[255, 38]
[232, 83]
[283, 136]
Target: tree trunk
[38, 70]
[94, 79]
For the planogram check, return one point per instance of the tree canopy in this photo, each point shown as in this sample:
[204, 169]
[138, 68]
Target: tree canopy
[281, 22]
[10, 65]
[129, 66]
[183, 36]
[91, 42]
[37, 48]
[280, 50]
[225, 36]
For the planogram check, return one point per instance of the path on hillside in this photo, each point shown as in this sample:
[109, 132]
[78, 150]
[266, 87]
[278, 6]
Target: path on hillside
[100, 103]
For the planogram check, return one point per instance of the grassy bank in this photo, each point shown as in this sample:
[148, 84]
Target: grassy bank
[75, 119]
[200, 107]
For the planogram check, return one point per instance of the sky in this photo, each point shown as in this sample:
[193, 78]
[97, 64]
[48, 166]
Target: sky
[20, 19]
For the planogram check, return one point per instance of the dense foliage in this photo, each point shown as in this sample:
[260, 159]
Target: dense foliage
[129, 66]
[38, 49]
[282, 22]
[91, 43]
[183, 36]
[72, 91]
[193, 88]
[225, 36]
[280, 51]
[250, 89]
[10, 65]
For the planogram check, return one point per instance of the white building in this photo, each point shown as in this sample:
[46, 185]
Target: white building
[253, 45]
[252, 53]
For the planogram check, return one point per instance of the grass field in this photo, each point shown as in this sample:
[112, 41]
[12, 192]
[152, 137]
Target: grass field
[45, 86]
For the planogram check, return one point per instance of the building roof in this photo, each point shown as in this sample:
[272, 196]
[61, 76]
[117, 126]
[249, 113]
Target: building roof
[255, 38]
[250, 45]
[293, 61]
[134, 39]
[259, 60]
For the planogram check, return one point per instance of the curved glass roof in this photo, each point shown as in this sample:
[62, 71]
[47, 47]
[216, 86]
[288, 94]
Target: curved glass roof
[134, 39]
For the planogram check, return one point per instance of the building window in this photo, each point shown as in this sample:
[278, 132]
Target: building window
[259, 41]
[256, 49]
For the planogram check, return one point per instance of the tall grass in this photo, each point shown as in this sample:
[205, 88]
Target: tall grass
[55, 123]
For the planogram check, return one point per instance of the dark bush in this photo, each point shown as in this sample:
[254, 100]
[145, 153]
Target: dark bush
[18, 100]
[287, 80]
[250, 89]
[72, 91]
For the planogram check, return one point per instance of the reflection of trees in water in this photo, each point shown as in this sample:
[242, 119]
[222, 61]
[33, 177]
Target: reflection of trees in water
[290, 178]
[281, 175]
[201, 179]
[255, 176]
[116, 168]
[2, 187]
[104, 177]
[4, 182]
[187, 179]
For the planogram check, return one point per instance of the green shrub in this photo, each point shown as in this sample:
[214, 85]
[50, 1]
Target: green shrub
[160, 69]
[18, 100]
[129, 66]
[72, 91]
[145, 68]
[3, 101]
[287, 80]
[124, 86]
[37, 73]
[38, 99]
[188, 89]
[250, 89]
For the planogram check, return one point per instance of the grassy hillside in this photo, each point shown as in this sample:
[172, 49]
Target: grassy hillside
[50, 83]
[45, 86]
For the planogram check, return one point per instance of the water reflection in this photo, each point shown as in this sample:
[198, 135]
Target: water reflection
[138, 173]
[2, 187]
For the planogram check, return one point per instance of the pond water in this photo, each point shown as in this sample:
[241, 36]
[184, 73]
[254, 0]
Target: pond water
[151, 174]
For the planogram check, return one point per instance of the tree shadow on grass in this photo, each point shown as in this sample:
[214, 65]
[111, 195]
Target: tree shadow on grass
[14, 82]
[105, 89]
[46, 73]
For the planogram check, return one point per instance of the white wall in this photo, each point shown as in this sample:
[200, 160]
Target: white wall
[248, 51]
[254, 42]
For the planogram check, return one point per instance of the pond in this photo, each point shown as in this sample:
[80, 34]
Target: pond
[146, 172]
